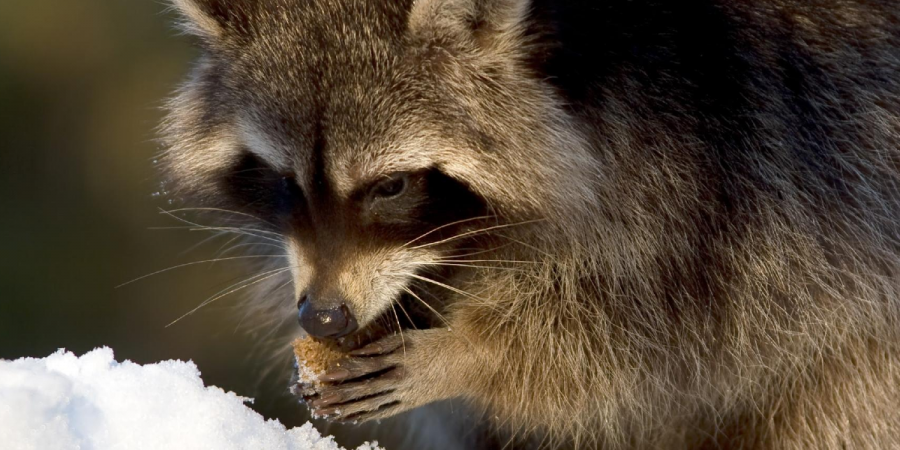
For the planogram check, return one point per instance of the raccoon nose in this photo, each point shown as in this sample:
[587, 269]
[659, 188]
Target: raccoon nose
[328, 323]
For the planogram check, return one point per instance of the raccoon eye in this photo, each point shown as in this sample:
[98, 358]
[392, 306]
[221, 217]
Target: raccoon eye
[253, 186]
[393, 187]
[287, 195]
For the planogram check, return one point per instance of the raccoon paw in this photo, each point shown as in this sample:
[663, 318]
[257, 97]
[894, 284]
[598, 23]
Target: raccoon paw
[369, 384]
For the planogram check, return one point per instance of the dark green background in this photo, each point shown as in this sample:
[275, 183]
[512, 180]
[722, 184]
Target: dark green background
[82, 83]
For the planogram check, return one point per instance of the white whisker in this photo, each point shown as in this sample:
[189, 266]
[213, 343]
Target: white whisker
[486, 261]
[200, 227]
[473, 266]
[206, 261]
[439, 315]
[265, 276]
[399, 328]
[411, 323]
[225, 251]
[446, 226]
[237, 213]
[476, 232]
[445, 286]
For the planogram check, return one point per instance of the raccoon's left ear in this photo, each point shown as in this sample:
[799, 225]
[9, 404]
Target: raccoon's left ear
[479, 22]
[214, 19]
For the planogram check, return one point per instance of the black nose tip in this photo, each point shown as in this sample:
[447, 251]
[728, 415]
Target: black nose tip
[333, 322]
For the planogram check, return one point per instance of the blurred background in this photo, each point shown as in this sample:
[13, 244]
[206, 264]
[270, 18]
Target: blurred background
[82, 84]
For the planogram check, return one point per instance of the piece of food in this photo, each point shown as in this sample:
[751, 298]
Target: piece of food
[313, 359]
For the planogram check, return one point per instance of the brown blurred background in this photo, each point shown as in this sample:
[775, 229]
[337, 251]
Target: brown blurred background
[82, 83]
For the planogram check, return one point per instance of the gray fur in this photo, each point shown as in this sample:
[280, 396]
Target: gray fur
[712, 238]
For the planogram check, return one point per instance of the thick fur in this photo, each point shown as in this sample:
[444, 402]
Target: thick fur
[701, 198]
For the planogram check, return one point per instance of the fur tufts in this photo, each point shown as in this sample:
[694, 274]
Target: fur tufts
[215, 20]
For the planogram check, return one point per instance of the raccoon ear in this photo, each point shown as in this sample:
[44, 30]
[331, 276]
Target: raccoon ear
[213, 19]
[482, 22]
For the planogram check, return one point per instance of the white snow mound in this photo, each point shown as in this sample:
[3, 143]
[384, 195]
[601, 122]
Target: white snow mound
[95, 403]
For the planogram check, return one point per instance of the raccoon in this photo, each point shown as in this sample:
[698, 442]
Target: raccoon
[609, 224]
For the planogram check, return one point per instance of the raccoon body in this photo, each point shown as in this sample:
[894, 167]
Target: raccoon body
[612, 224]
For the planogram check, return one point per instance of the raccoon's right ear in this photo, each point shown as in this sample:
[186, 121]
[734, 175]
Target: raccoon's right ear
[215, 19]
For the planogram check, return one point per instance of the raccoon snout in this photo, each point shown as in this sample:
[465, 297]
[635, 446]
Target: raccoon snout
[327, 323]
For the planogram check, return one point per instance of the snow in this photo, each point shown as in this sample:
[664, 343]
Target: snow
[95, 403]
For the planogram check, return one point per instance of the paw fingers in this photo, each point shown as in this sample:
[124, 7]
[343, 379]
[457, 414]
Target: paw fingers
[382, 412]
[353, 368]
[361, 410]
[382, 347]
[347, 392]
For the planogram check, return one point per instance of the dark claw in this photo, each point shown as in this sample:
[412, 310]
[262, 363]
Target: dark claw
[327, 411]
[369, 350]
[335, 375]
[325, 400]
[381, 412]
[382, 347]
[355, 367]
[355, 410]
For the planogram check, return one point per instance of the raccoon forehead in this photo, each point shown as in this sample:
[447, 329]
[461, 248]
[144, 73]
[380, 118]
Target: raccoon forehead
[346, 167]
[350, 170]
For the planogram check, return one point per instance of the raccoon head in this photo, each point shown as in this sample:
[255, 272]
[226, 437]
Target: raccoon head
[374, 135]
